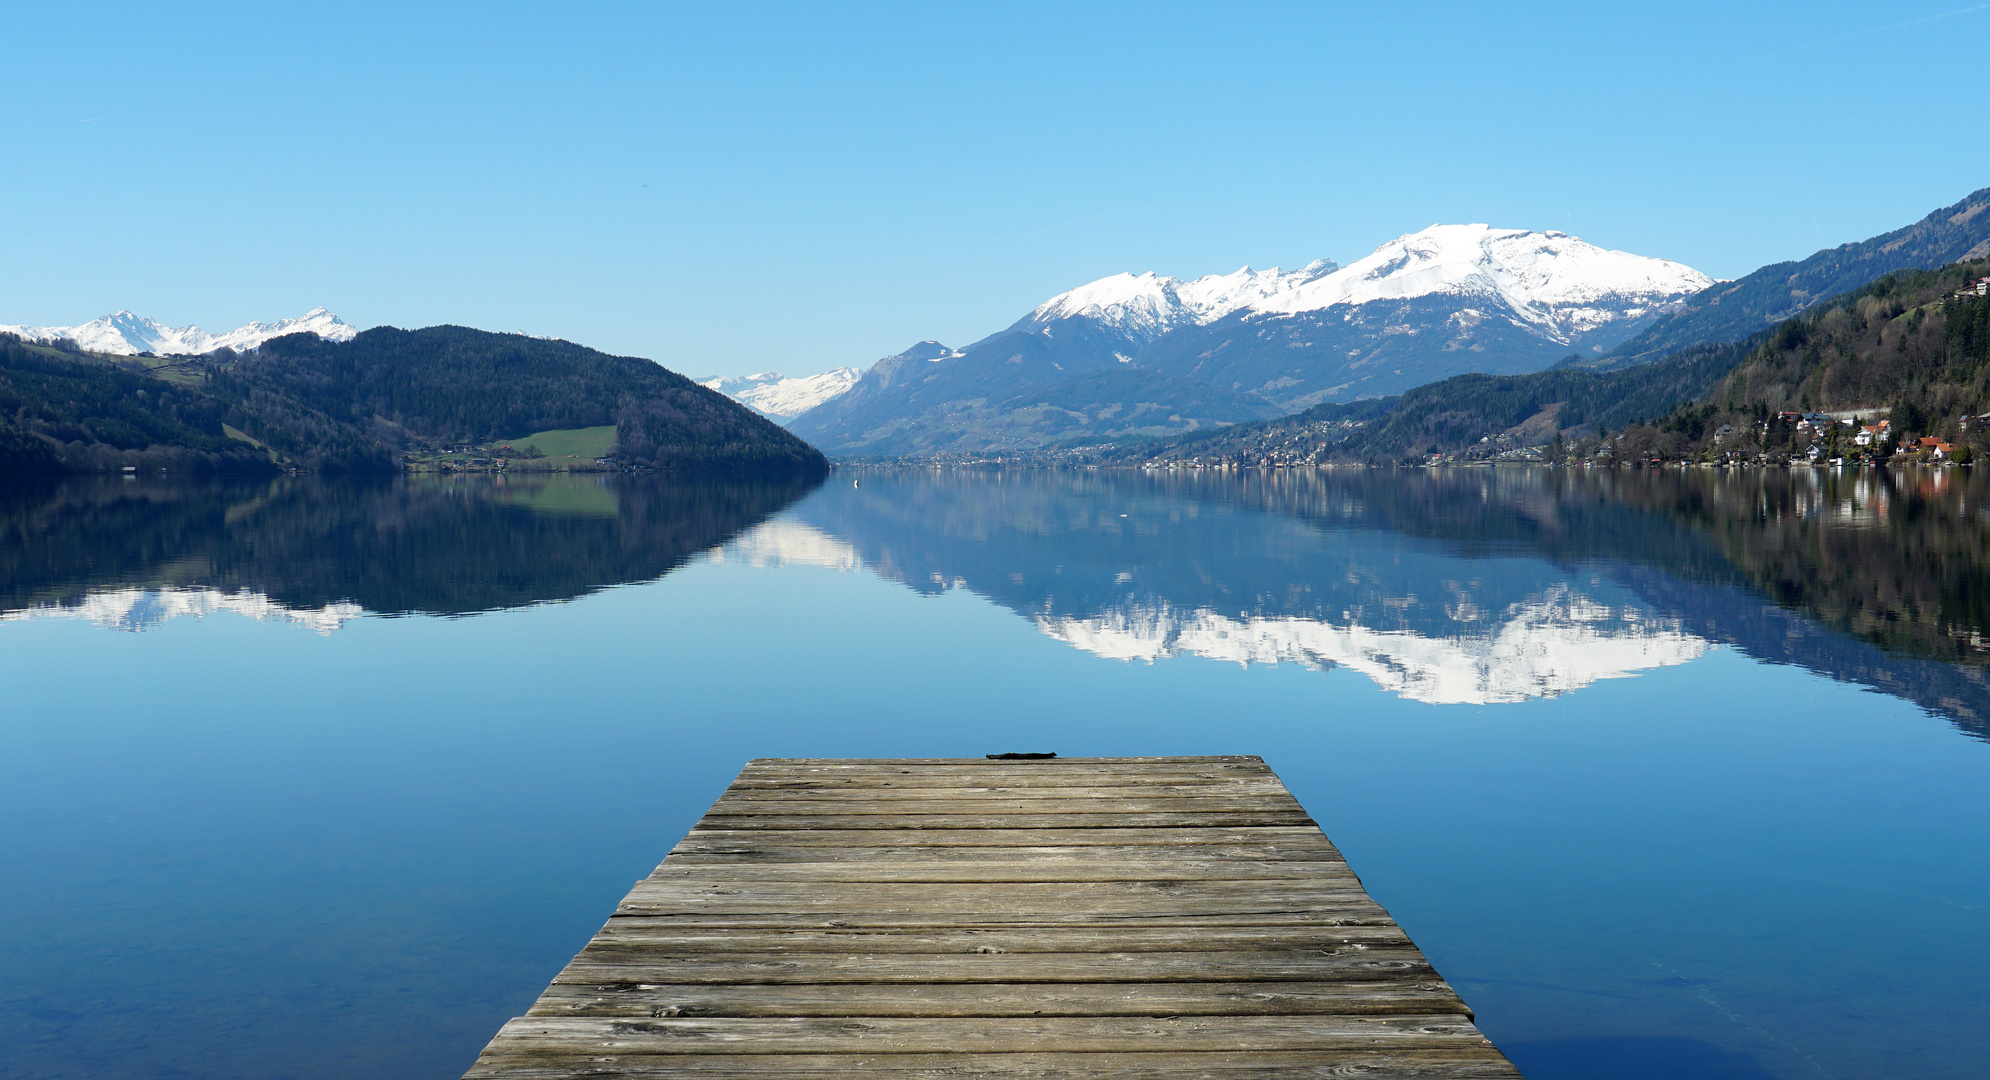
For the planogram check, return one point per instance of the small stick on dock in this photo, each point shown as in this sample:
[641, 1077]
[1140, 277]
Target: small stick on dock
[964, 917]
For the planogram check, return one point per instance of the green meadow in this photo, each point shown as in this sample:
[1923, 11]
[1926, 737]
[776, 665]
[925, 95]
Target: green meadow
[565, 448]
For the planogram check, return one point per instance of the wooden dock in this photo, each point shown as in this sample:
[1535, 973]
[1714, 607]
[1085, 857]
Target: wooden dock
[1083, 917]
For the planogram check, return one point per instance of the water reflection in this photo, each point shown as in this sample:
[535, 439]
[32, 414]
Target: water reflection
[133, 610]
[1470, 586]
[132, 554]
[1539, 648]
[1478, 586]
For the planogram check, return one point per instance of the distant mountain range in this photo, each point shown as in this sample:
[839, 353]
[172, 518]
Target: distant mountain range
[126, 334]
[1145, 355]
[1680, 359]
[1135, 359]
[773, 394]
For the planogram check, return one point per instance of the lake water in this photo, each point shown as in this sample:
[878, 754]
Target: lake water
[1672, 775]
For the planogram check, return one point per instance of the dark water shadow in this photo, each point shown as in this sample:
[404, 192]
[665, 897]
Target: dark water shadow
[399, 546]
[1632, 1058]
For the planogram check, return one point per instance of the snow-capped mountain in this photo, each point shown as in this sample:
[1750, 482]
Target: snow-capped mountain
[126, 334]
[1551, 280]
[773, 394]
[1445, 301]
[1146, 306]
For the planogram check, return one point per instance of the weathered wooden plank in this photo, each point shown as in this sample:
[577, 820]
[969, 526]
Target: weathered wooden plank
[1104, 918]
[1239, 915]
[1000, 808]
[968, 907]
[799, 764]
[1022, 779]
[645, 963]
[774, 853]
[1071, 786]
[968, 897]
[1069, 772]
[666, 932]
[1206, 819]
[707, 837]
[1348, 997]
[1472, 1063]
[887, 872]
[906, 1035]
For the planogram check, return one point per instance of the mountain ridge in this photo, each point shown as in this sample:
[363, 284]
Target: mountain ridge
[124, 333]
[1731, 310]
[1256, 343]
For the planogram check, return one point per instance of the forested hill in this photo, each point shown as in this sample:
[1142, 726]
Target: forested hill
[1510, 412]
[455, 384]
[302, 402]
[1733, 310]
[62, 411]
[1911, 347]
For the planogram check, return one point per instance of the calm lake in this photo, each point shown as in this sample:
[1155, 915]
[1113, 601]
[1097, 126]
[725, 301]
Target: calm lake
[1670, 774]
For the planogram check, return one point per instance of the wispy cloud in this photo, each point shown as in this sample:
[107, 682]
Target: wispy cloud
[1868, 31]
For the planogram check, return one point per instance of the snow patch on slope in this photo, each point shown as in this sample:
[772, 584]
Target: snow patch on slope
[126, 334]
[773, 394]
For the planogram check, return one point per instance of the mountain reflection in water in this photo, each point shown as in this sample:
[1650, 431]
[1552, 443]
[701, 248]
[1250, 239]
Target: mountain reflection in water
[1477, 586]
[1466, 586]
[1129, 571]
[132, 554]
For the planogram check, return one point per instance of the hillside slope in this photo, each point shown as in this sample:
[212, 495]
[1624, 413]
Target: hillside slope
[1445, 300]
[452, 383]
[322, 405]
[1912, 347]
[1017, 390]
[1454, 414]
[1732, 310]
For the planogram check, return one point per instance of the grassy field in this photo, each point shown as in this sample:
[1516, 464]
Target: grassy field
[571, 446]
[565, 450]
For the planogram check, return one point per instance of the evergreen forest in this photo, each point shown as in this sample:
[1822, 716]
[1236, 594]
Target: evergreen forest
[303, 403]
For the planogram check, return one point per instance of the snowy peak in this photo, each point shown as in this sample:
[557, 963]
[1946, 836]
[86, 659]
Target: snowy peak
[1562, 285]
[775, 395]
[1146, 306]
[126, 334]
[781, 398]
[315, 321]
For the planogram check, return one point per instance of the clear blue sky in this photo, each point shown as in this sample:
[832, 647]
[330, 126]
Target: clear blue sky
[731, 187]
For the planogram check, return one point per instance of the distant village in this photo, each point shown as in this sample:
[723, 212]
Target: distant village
[1787, 438]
